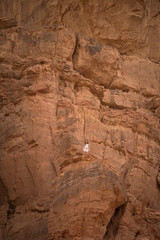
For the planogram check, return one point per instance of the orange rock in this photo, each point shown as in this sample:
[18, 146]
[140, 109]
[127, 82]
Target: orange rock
[83, 201]
[72, 71]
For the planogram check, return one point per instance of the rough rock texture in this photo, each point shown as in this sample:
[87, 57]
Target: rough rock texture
[84, 200]
[71, 71]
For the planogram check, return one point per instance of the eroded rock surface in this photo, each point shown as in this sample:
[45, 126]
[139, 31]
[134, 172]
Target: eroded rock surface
[83, 202]
[95, 79]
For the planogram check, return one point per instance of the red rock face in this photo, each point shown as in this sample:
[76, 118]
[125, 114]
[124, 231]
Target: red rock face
[72, 71]
[83, 201]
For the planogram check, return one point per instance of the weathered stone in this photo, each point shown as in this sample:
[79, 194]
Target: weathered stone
[78, 207]
[132, 27]
[95, 79]
[102, 61]
[7, 23]
[133, 69]
[123, 100]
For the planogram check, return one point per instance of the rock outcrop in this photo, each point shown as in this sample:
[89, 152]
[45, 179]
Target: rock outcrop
[84, 200]
[71, 71]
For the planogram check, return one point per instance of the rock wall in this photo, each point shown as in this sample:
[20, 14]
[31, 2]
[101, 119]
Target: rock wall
[71, 71]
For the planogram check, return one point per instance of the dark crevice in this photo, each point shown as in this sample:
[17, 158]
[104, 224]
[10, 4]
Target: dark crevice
[40, 210]
[8, 23]
[112, 228]
[156, 15]
[75, 49]
[3, 193]
[158, 183]
[137, 234]
[11, 210]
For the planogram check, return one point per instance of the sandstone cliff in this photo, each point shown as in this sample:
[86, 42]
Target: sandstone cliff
[71, 71]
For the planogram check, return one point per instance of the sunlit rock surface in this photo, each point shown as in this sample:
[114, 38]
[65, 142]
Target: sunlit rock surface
[71, 71]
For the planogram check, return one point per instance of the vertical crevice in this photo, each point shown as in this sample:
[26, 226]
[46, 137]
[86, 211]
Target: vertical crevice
[31, 176]
[84, 128]
[112, 228]
[3, 193]
[75, 50]
[11, 210]
[104, 149]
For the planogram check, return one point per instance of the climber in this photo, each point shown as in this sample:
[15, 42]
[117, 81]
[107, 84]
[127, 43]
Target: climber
[86, 148]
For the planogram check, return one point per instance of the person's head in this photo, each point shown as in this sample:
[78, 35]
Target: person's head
[86, 142]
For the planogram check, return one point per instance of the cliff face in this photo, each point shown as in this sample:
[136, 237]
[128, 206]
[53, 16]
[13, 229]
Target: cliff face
[71, 71]
[130, 26]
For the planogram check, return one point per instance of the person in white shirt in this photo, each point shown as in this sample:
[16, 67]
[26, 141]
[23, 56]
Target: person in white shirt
[86, 148]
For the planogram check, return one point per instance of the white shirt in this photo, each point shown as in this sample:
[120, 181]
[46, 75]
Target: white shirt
[86, 148]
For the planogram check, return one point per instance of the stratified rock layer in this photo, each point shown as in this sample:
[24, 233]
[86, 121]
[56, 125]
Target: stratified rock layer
[84, 200]
[59, 86]
[130, 26]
